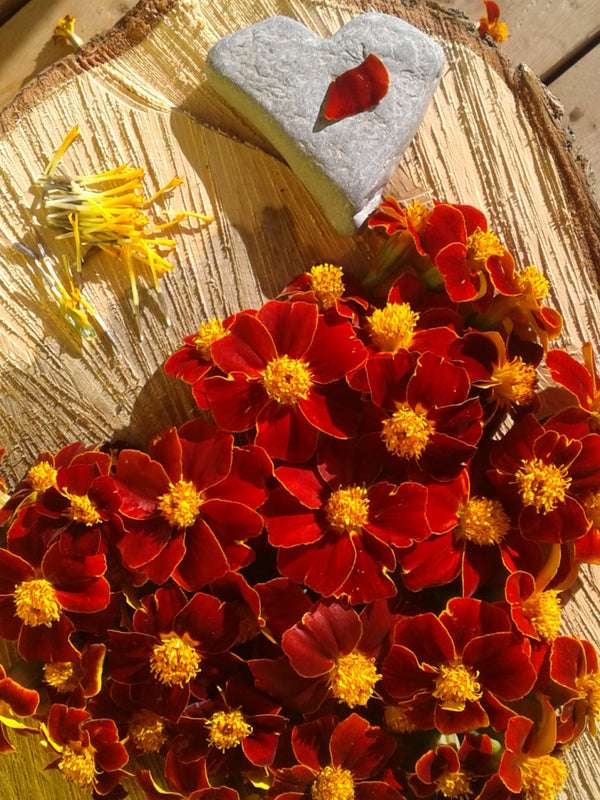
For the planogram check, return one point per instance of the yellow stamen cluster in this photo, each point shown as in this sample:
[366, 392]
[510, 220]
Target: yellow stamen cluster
[588, 687]
[287, 380]
[417, 214]
[353, 678]
[227, 729]
[348, 508]
[543, 610]
[542, 485]
[498, 30]
[455, 785]
[60, 676]
[407, 432]
[333, 783]
[483, 244]
[208, 333]
[396, 720]
[531, 280]
[36, 603]
[181, 505]
[174, 661]
[65, 31]
[456, 685]
[42, 476]
[78, 766]
[147, 731]
[82, 509]
[483, 521]
[391, 328]
[514, 383]
[327, 285]
[543, 778]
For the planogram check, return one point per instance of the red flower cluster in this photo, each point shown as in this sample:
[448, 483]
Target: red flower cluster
[343, 580]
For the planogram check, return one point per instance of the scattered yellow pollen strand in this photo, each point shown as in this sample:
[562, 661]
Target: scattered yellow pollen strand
[353, 678]
[456, 685]
[227, 729]
[180, 506]
[514, 383]
[348, 508]
[543, 610]
[396, 720]
[36, 603]
[483, 244]
[455, 785]
[60, 676]
[542, 485]
[209, 333]
[543, 778]
[392, 328]
[42, 476]
[588, 687]
[532, 280]
[82, 509]
[287, 380]
[326, 282]
[483, 521]
[174, 662]
[147, 731]
[333, 783]
[78, 767]
[407, 432]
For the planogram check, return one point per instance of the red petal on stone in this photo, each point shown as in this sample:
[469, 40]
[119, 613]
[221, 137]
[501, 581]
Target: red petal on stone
[358, 89]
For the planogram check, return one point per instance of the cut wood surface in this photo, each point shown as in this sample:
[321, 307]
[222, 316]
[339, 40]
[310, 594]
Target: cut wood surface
[490, 138]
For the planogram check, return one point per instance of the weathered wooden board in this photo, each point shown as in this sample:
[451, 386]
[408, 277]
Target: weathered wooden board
[489, 138]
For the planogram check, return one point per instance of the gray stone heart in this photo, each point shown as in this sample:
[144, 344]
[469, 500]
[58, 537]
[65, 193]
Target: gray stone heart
[276, 74]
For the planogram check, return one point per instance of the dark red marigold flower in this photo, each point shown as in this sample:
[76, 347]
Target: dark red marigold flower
[74, 682]
[491, 24]
[191, 783]
[188, 506]
[542, 471]
[401, 222]
[90, 753]
[35, 602]
[327, 287]
[15, 701]
[336, 531]
[463, 665]
[431, 422]
[574, 668]
[534, 609]
[344, 760]
[454, 773]
[285, 370]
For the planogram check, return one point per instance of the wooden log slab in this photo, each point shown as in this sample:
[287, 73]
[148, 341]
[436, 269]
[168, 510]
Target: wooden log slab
[489, 138]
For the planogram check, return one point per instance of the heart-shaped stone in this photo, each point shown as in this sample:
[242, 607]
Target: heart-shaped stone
[276, 74]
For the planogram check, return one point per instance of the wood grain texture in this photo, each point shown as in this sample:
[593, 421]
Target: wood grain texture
[489, 138]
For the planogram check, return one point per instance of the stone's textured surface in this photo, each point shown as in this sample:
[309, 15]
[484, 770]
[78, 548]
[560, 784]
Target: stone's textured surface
[276, 73]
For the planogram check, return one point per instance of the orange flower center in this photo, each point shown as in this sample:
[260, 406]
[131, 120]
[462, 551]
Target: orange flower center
[42, 476]
[208, 333]
[36, 603]
[542, 485]
[396, 720]
[60, 676]
[455, 785]
[407, 432]
[417, 214]
[333, 783]
[287, 380]
[353, 679]
[543, 610]
[483, 244]
[180, 506]
[326, 283]
[514, 383]
[483, 521]
[147, 731]
[227, 729]
[391, 328]
[498, 30]
[82, 509]
[456, 685]
[348, 509]
[588, 687]
[174, 661]
[543, 778]
[77, 764]
[531, 280]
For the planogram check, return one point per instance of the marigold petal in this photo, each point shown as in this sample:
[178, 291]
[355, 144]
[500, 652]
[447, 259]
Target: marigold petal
[360, 748]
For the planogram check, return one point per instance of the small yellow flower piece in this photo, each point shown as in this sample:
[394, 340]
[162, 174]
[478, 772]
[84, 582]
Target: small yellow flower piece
[326, 283]
[543, 610]
[146, 731]
[36, 603]
[287, 380]
[333, 783]
[78, 766]
[180, 506]
[82, 509]
[491, 24]
[65, 32]
[353, 678]
[395, 720]
[588, 687]
[208, 333]
[543, 778]
[531, 280]
[455, 785]
[60, 676]
[174, 662]
[456, 685]
[227, 729]
[391, 328]
[483, 244]
[483, 521]
[513, 383]
[42, 476]
[407, 432]
[348, 509]
[542, 485]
